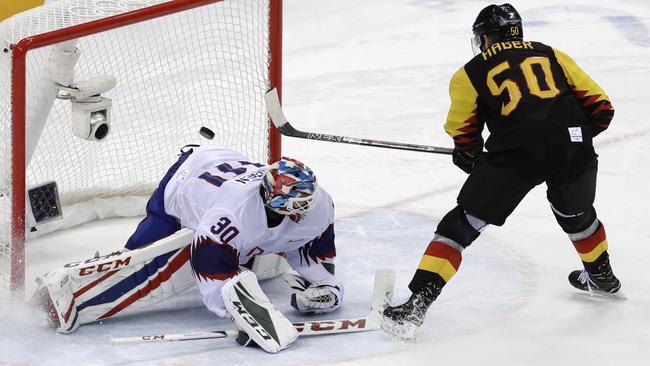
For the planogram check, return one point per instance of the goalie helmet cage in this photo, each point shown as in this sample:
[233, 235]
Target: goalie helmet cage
[178, 64]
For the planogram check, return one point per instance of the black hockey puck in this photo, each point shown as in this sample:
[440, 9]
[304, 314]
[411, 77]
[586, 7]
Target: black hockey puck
[207, 133]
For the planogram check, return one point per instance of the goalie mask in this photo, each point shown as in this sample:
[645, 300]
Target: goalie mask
[289, 188]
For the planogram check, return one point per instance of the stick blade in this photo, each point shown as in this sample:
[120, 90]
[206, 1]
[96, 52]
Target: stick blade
[273, 106]
[382, 294]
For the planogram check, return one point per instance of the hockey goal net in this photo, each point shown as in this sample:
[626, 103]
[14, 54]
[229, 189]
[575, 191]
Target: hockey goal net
[169, 68]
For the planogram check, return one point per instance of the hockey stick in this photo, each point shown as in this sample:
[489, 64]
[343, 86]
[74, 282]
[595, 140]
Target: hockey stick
[381, 296]
[280, 121]
[317, 327]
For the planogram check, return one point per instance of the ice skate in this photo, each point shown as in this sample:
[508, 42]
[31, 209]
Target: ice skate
[402, 321]
[601, 283]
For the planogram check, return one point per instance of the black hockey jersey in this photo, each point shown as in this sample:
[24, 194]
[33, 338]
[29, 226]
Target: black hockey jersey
[527, 93]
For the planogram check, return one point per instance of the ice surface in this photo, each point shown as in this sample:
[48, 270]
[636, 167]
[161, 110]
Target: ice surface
[380, 69]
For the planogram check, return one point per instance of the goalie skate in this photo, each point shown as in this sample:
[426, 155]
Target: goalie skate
[42, 301]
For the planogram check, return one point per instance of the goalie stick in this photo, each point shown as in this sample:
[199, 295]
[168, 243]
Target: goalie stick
[381, 296]
[280, 121]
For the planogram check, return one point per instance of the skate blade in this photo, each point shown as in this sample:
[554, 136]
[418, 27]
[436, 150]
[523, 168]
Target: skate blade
[405, 332]
[598, 294]
[618, 295]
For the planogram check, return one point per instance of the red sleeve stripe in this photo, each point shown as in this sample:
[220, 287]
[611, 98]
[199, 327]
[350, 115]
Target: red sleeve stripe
[215, 276]
[604, 106]
[602, 125]
[460, 140]
[326, 255]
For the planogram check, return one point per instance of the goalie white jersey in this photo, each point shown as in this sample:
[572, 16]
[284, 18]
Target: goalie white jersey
[216, 192]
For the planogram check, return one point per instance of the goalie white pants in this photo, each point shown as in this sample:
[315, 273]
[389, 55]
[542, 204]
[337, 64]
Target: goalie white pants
[157, 224]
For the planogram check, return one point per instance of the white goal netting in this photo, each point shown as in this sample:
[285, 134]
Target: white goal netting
[202, 67]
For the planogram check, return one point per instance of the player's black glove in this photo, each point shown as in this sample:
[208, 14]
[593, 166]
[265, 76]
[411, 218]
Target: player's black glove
[466, 160]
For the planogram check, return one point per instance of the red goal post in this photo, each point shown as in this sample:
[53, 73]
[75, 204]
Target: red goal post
[218, 104]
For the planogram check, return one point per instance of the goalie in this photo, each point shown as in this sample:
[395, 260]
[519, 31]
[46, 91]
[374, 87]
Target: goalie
[243, 215]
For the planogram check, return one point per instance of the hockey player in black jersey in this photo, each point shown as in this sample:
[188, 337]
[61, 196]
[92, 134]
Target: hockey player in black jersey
[542, 112]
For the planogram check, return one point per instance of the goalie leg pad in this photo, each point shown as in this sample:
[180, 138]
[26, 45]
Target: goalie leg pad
[98, 288]
[253, 313]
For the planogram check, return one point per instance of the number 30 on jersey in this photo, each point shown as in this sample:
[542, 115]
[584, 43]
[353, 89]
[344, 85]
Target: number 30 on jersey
[224, 230]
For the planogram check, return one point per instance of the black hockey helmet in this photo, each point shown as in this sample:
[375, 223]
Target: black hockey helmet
[499, 22]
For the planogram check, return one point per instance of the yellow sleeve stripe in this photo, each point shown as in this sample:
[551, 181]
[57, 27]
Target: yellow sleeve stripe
[462, 113]
[578, 79]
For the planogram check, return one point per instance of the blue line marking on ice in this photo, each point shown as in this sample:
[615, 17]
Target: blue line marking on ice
[632, 28]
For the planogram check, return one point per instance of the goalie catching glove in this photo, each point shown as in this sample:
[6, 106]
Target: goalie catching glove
[319, 297]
